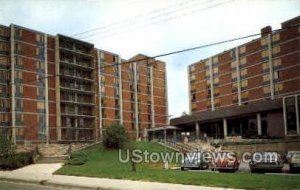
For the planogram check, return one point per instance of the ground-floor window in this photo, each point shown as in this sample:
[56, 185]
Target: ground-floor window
[291, 110]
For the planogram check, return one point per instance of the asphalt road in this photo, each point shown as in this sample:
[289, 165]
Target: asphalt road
[23, 186]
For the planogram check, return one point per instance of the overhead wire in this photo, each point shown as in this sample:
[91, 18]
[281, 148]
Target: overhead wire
[175, 52]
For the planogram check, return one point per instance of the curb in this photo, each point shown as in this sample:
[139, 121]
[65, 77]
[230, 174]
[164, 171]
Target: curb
[46, 183]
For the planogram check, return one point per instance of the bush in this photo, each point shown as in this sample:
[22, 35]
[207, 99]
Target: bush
[114, 137]
[6, 147]
[10, 163]
[77, 158]
[16, 160]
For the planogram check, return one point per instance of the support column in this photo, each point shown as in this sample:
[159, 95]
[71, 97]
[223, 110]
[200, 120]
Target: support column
[211, 78]
[99, 56]
[152, 98]
[136, 100]
[238, 75]
[120, 91]
[197, 130]
[46, 89]
[13, 86]
[271, 66]
[297, 115]
[57, 89]
[225, 127]
[284, 116]
[174, 135]
[258, 117]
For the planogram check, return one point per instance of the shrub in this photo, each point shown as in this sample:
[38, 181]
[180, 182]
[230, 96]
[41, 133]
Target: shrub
[77, 158]
[114, 137]
[6, 147]
[10, 163]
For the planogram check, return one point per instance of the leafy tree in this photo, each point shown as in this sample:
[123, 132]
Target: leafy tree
[114, 137]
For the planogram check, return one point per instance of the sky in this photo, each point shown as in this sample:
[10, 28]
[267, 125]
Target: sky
[153, 27]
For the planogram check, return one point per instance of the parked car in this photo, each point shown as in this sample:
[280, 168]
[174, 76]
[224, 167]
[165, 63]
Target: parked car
[225, 160]
[295, 162]
[266, 161]
[195, 160]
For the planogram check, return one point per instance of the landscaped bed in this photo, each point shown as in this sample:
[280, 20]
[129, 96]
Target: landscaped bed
[104, 163]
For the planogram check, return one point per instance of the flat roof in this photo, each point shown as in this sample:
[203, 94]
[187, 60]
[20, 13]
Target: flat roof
[230, 112]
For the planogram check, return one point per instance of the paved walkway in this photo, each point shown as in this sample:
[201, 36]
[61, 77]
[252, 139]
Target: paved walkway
[43, 174]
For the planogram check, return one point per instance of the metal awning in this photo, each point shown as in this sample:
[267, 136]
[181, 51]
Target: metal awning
[169, 127]
[231, 112]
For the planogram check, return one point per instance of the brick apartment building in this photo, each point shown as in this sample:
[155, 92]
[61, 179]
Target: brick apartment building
[252, 90]
[60, 89]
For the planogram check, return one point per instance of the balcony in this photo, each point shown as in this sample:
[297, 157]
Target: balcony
[76, 76]
[80, 65]
[79, 102]
[72, 87]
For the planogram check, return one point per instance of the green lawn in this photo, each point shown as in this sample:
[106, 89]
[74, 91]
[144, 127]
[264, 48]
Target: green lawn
[104, 163]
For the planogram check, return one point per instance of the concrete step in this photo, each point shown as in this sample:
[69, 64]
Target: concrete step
[53, 159]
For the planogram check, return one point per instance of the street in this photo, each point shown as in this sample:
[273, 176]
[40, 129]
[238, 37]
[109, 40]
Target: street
[4, 185]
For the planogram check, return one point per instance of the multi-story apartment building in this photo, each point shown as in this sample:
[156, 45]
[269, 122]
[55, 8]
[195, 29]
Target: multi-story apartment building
[60, 89]
[250, 90]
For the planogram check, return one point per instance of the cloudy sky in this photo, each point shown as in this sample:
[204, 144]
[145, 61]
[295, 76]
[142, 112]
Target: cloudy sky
[153, 27]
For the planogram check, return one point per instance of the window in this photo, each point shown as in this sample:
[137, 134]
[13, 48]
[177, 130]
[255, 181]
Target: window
[207, 73]
[192, 68]
[265, 54]
[18, 61]
[267, 90]
[193, 97]
[277, 63]
[266, 77]
[275, 37]
[276, 50]
[217, 92]
[244, 95]
[242, 49]
[4, 47]
[243, 61]
[234, 64]
[18, 32]
[18, 75]
[265, 66]
[264, 41]
[40, 65]
[19, 90]
[18, 48]
[216, 80]
[207, 63]
[217, 102]
[278, 87]
[276, 75]
[19, 104]
[193, 77]
[41, 92]
[40, 38]
[41, 105]
[244, 83]
[215, 70]
[244, 72]
[215, 60]
[19, 119]
[233, 75]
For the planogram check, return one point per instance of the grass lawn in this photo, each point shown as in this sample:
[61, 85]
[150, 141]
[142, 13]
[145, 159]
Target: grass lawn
[104, 163]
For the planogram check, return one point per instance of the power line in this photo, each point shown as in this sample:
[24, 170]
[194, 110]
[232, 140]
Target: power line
[179, 51]
[168, 16]
[124, 21]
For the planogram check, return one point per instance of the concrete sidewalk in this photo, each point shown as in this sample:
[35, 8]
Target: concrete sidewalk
[43, 174]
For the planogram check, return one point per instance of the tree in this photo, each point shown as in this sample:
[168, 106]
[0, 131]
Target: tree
[114, 137]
